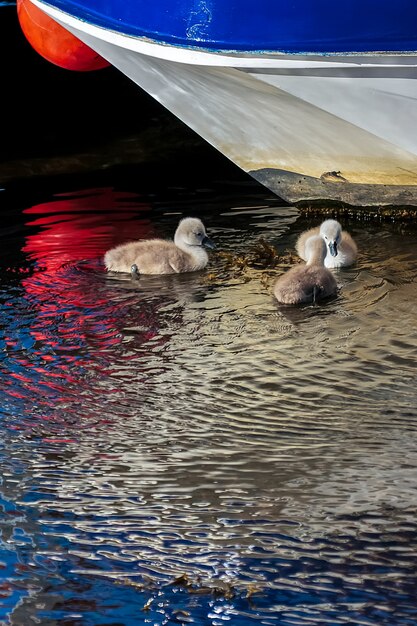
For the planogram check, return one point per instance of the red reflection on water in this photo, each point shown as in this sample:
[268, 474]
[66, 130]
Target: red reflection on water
[72, 329]
[83, 225]
[74, 228]
[74, 310]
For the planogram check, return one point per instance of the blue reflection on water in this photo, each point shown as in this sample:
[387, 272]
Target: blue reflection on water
[10, 594]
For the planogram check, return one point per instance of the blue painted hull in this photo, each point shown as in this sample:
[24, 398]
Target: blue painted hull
[296, 26]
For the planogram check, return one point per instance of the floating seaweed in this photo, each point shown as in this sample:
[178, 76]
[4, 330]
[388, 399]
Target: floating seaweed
[181, 616]
[147, 605]
[217, 588]
[260, 256]
[364, 214]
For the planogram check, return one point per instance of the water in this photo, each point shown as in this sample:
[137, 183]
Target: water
[184, 450]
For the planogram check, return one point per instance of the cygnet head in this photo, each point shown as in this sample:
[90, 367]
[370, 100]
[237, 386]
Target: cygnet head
[191, 232]
[331, 231]
[315, 250]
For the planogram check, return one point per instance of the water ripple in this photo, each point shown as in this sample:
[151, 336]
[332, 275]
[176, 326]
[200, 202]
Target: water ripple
[184, 450]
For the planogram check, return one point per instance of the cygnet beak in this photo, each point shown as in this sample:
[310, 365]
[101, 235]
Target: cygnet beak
[207, 243]
[333, 248]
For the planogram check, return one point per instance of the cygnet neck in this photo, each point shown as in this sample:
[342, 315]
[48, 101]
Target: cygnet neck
[315, 251]
[180, 241]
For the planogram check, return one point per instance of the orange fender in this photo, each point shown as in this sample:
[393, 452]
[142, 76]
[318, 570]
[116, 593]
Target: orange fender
[56, 44]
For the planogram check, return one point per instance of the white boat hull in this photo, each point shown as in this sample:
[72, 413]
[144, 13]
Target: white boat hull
[310, 128]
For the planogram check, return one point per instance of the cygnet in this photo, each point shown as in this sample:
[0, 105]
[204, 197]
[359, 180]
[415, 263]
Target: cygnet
[341, 249]
[310, 282]
[159, 256]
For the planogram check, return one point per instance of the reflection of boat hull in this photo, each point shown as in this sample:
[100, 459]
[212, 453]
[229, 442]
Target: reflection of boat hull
[339, 127]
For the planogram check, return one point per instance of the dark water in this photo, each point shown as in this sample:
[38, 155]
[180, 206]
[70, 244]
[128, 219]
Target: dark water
[180, 449]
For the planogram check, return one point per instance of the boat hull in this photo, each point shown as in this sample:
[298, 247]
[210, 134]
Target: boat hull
[286, 26]
[311, 128]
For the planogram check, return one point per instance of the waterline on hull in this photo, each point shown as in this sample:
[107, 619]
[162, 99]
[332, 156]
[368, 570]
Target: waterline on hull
[300, 189]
